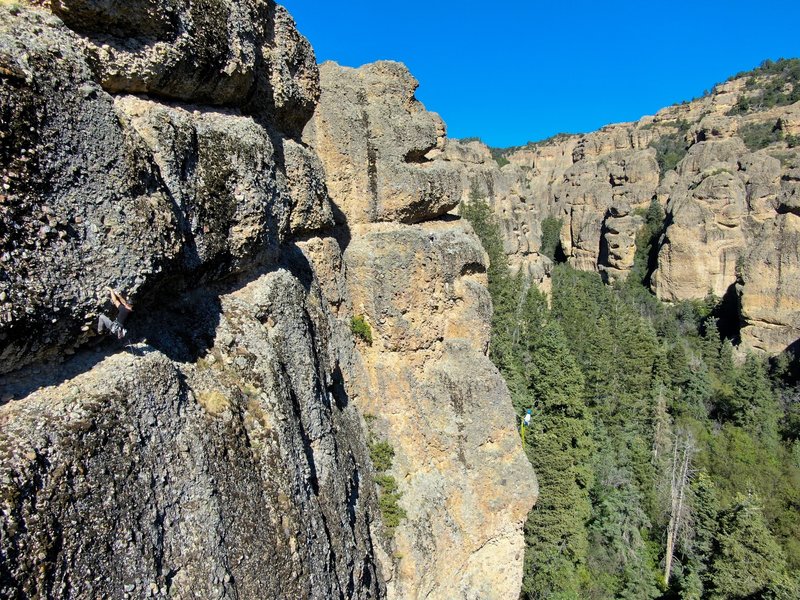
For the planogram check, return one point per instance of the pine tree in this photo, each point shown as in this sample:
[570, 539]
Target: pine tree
[753, 404]
[695, 549]
[696, 396]
[620, 559]
[558, 445]
[747, 559]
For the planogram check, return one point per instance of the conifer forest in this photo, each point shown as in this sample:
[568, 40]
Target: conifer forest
[668, 465]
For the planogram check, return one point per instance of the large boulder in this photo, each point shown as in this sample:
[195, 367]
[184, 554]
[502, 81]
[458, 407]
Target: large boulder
[218, 52]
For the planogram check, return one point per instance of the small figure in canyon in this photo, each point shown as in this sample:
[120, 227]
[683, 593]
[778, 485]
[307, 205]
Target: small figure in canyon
[526, 421]
[124, 308]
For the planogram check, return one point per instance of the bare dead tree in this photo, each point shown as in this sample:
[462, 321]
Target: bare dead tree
[683, 450]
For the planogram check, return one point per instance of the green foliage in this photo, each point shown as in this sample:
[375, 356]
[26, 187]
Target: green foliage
[499, 156]
[381, 453]
[506, 290]
[754, 405]
[559, 447]
[771, 84]
[532, 352]
[612, 375]
[759, 135]
[361, 329]
[391, 511]
[551, 236]
[748, 559]
[742, 105]
[670, 149]
[620, 556]
[696, 551]
[646, 256]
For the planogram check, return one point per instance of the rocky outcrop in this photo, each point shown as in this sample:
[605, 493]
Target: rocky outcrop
[443, 406]
[425, 379]
[515, 204]
[587, 183]
[226, 53]
[595, 202]
[222, 449]
[729, 207]
[128, 191]
[729, 233]
[241, 474]
[373, 136]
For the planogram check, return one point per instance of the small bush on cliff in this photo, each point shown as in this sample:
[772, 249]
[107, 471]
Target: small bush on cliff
[361, 329]
[391, 511]
[381, 453]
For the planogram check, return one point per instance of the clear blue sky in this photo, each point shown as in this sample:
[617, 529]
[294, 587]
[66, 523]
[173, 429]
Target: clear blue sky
[514, 71]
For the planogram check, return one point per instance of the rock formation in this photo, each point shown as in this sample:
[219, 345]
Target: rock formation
[221, 451]
[425, 378]
[731, 210]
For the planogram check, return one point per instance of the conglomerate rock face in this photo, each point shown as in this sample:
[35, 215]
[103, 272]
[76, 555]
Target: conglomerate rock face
[425, 379]
[221, 449]
[731, 211]
[443, 406]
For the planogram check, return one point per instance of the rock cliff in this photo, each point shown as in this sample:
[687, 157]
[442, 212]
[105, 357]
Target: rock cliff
[193, 155]
[723, 167]
[425, 378]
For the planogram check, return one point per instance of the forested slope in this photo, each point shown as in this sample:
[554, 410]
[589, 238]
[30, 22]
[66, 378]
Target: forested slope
[667, 468]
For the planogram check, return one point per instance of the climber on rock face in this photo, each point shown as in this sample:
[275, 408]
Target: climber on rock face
[124, 308]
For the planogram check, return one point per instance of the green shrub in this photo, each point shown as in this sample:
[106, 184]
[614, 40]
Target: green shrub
[391, 511]
[742, 106]
[759, 135]
[361, 329]
[771, 84]
[551, 236]
[381, 453]
[670, 150]
[499, 155]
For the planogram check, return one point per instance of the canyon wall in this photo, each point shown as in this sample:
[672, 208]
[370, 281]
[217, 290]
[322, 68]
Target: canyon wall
[731, 210]
[194, 157]
[425, 379]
